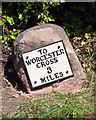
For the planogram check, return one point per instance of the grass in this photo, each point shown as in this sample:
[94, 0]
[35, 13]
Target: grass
[70, 105]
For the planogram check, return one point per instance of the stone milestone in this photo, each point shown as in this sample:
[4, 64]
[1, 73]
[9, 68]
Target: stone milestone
[33, 43]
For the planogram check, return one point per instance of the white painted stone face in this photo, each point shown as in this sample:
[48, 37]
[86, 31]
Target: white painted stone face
[47, 64]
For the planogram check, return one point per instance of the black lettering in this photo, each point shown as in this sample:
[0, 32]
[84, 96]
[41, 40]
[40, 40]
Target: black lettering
[51, 61]
[58, 47]
[47, 78]
[49, 70]
[49, 54]
[51, 77]
[37, 59]
[42, 58]
[45, 56]
[28, 62]
[42, 80]
[56, 75]
[44, 50]
[27, 57]
[40, 51]
[61, 74]
[61, 51]
[33, 60]
[38, 65]
[58, 52]
[47, 62]
[43, 64]
[53, 53]
[55, 60]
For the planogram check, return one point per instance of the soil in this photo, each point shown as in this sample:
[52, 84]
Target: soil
[11, 88]
[11, 97]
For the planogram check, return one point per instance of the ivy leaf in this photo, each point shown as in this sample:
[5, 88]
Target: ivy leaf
[52, 19]
[4, 38]
[10, 20]
[20, 17]
[1, 22]
[49, 18]
[79, 38]
[42, 15]
[15, 32]
[2, 41]
[87, 35]
[12, 36]
[39, 16]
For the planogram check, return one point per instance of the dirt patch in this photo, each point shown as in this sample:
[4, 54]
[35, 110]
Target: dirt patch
[11, 99]
[12, 91]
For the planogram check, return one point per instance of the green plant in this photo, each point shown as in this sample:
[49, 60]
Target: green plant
[44, 15]
[16, 20]
[64, 14]
[63, 106]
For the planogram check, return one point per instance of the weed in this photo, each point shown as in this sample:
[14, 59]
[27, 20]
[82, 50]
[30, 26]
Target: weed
[59, 105]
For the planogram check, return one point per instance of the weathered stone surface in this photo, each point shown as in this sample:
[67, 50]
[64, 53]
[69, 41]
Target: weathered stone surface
[39, 36]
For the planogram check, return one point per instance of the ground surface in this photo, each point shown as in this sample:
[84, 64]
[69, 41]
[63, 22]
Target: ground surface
[11, 94]
[11, 91]
[11, 97]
